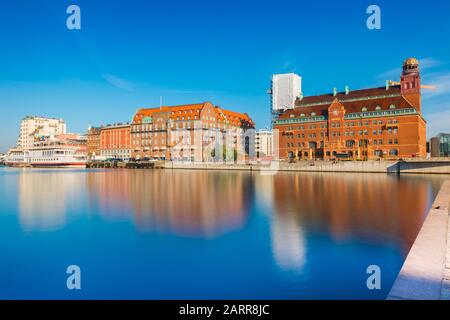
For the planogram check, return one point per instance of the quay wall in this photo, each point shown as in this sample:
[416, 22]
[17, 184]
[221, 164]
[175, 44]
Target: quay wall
[425, 275]
[394, 167]
[398, 167]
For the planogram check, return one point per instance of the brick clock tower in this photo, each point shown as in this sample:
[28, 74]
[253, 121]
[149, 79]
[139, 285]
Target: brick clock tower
[410, 82]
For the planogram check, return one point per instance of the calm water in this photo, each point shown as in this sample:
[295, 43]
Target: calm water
[204, 234]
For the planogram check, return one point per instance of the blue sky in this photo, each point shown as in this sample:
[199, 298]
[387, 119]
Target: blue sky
[129, 53]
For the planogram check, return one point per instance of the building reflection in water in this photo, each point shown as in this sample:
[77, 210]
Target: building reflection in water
[199, 204]
[44, 198]
[376, 208]
[288, 241]
[372, 207]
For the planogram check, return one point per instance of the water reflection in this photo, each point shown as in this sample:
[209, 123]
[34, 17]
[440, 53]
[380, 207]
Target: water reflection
[278, 232]
[288, 241]
[374, 207]
[371, 207]
[44, 196]
[186, 203]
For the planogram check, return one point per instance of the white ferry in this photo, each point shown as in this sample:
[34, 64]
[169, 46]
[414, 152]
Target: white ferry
[16, 158]
[59, 156]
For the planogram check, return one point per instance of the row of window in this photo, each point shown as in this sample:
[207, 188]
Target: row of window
[348, 143]
[112, 152]
[346, 133]
[346, 124]
[182, 125]
[377, 153]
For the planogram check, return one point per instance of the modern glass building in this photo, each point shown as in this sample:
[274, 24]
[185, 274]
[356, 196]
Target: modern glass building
[440, 145]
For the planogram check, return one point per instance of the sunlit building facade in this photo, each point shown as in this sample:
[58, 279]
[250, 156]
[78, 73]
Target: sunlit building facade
[377, 123]
[31, 127]
[93, 142]
[189, 132]
[264, 144]
[115, 141]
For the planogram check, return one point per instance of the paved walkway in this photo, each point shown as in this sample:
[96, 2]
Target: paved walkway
[425, 274]
[445, 291]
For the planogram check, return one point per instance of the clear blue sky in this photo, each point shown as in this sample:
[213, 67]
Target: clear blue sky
[129, 53]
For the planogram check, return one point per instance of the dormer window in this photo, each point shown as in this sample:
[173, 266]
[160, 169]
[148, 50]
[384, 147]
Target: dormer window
[313, 114]
[302, 115]
[378, 108]
[364, 109]
[392, 106]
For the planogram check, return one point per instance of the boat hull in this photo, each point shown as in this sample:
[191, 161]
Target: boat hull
[59, 165]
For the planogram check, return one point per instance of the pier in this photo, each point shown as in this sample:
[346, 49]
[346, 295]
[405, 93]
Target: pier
[125, 165]
[425, 275]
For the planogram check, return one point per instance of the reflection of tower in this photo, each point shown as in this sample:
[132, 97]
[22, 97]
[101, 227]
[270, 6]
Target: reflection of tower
[264, 192]
[288, 242]
[43, 198]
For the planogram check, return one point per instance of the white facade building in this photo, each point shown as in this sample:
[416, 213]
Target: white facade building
[264, 144]
[38, 126]
[286, 88]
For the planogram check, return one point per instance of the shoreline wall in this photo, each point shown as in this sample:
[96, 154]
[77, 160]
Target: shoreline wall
[395, 167]
[425, 275]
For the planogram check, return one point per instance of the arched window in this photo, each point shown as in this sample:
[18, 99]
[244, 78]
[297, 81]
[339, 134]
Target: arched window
[350, 143]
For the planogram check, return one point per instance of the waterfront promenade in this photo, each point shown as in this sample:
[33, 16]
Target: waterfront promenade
[399, 167]
[441, 166]
[425, 275]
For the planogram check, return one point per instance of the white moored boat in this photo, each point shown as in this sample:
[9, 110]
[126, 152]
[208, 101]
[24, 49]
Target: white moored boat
[16, 158]
[57, 156]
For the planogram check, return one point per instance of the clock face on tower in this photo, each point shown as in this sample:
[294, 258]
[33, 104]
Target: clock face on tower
[335, 112]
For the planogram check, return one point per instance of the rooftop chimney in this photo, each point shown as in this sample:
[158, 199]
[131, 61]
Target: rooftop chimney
[347, 90]
[334, 92]
[387, 85]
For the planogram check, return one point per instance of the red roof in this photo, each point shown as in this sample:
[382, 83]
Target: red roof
[232, 117]
[371, 99]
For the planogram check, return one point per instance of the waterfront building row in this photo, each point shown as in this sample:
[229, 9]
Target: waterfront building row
[188, 132]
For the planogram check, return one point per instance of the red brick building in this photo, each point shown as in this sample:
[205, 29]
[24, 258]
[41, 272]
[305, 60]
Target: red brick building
[93, 142]
[185, 131]
[385, 122]
[115, 141]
